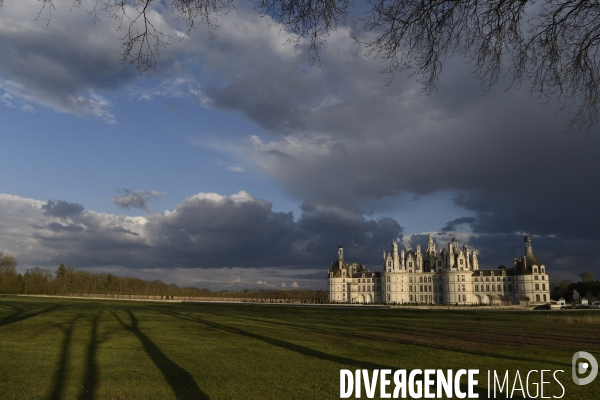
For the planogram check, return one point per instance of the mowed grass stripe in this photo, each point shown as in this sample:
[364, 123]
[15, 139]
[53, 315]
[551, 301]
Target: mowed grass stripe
[81, 349]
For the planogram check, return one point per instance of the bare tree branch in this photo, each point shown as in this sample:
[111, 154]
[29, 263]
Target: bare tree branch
[553, 45]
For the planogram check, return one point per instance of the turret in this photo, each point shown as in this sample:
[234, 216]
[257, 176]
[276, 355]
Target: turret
[430, 245]
[395, 258]
[340, 253]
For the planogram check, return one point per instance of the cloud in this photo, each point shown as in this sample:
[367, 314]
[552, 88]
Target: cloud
[136, 198]
[239, 241]
[62, 209]
[455, 224]
[283, 284]
[7, 99]
[28, 108]
[295, 284]
[235, 168]
[62, 65]
[206, 231]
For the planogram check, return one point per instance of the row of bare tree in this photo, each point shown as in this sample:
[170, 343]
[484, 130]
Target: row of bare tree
[68, 280]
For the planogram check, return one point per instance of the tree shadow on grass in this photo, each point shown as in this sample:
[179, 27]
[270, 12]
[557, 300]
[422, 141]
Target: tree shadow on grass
[90, 381]
[406, 341]
[61, 372]
[403, 341]
[20, 315]
[182, 383]
[307, 351]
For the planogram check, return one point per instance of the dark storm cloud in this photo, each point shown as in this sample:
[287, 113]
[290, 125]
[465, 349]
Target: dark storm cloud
[136, 198]
[62, 209]
[56, 227]
[204, 231]
[456, 223]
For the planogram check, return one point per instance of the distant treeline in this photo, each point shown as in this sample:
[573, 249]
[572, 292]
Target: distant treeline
[68, 280]
[587, 287]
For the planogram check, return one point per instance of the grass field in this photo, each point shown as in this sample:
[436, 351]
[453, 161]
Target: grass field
[83, 349]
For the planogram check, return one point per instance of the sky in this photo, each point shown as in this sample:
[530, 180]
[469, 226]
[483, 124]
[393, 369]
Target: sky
[237, 164]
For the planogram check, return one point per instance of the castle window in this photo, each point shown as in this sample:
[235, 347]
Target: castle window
[389, 263]
[544, 297]
[477, 288]
[498, 278]
[492, 273]
[537, 286]
[343, 280]
[510, 278]
[487, 288]
[493, 288]
[461, 261]
[476, 279]
[487, 279]
[463, 288]
[543, 287]
[537, 297]
[439, 263]
[536, 277]
[499, 288]
[543, 272]
[535, 270]
[410, 265]
[543, 278]
[510, 288]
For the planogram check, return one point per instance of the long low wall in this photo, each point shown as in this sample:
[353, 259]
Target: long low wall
[174, 299]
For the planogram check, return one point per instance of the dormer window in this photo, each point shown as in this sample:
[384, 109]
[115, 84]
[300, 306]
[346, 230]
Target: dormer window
[492, 273]
[461, 261]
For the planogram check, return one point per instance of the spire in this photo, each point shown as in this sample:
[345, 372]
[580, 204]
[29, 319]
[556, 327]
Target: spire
[529, 259]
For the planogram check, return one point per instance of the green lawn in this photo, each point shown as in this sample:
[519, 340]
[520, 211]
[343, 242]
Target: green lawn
[77, 349]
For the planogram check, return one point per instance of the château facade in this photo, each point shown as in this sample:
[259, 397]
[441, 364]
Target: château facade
[450, 276]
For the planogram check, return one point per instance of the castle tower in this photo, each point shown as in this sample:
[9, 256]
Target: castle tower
[340, 253]
[430, 245]
[419, 257]
[395, 258]
[529, 259]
